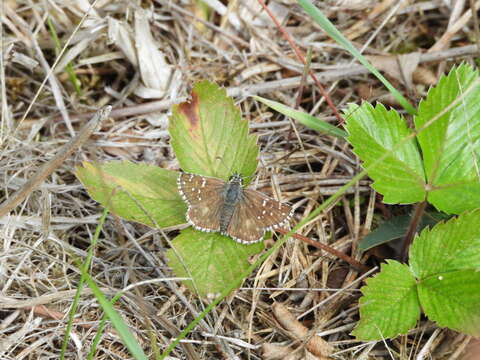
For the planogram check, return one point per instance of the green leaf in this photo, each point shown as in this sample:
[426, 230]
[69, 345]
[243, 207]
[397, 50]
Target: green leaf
[396, 228]
[118, 323]
[374, 132]
[214, 261]
[332, 31]
[390, 304]
[306, 119]
[450, 246]
[451, 142]
[136, 192]
[452, 299]
[209, 136]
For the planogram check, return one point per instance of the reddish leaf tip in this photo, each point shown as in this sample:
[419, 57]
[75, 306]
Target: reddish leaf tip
[191, 111]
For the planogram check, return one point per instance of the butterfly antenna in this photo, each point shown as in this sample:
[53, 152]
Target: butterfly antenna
[229, 170]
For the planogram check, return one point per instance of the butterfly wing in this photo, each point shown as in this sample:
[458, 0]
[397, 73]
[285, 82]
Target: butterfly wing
[204, 197]
[254, 214]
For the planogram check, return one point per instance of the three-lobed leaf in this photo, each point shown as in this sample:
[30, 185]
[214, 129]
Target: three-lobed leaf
[448, 133]
[443, 275]
[210, 138]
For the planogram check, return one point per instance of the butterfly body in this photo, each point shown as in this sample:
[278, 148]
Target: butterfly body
[232, 195]
[228, 208]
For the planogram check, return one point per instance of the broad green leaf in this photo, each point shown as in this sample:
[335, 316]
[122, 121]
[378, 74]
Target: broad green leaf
[306, 119]
[136, 192]
[375, 132]
[396, 228]
[390, 304]
[453, 245]
[209, 136]
[333, 32]
[214, 261]
[452, 299]
[448, 122]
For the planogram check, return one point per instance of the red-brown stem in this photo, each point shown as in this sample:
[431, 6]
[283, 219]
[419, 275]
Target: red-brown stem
[354, 263]
[303, 81]
[412, 228]
[300, 56]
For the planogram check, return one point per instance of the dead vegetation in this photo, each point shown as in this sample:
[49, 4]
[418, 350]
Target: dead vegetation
[142, 57]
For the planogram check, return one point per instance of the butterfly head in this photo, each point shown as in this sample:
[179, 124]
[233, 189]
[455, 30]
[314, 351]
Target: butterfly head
[236, 178]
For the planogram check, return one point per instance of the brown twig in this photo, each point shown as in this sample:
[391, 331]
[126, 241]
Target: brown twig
[303, 82]
[268, 86]
[354, 263]
[50, 166]
[300, 57]
[476, 26]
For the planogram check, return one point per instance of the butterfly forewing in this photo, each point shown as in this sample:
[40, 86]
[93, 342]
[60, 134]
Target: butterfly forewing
[203, 196]
[254, 214]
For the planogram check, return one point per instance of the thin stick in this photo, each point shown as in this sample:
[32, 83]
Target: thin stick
[303, 81]
[64, 152]
[476, 26]
[274, 85]
[356, 264]
[300, 56]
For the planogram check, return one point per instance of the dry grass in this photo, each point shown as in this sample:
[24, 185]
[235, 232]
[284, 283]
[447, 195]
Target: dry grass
[125, 56]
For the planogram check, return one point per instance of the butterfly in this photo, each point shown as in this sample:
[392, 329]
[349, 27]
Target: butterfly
[226, 207]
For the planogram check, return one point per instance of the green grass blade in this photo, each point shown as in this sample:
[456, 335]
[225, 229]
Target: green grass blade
[127, 337]
[331, 30]
[306, 119]
[101, 327]
[85, 267]
[69, 68]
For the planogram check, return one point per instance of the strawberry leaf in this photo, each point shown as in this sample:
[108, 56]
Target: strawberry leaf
[390, 304]
[450, 246]
[143, 193]
[374, 132]
[452, 299]
[213, 260]
[448, 122]
[209, 136]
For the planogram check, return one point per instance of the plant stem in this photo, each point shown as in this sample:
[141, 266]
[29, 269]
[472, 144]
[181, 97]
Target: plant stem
[412, 228]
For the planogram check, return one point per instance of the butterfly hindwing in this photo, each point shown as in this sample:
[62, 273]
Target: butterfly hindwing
[204, 197]
[254, 214]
